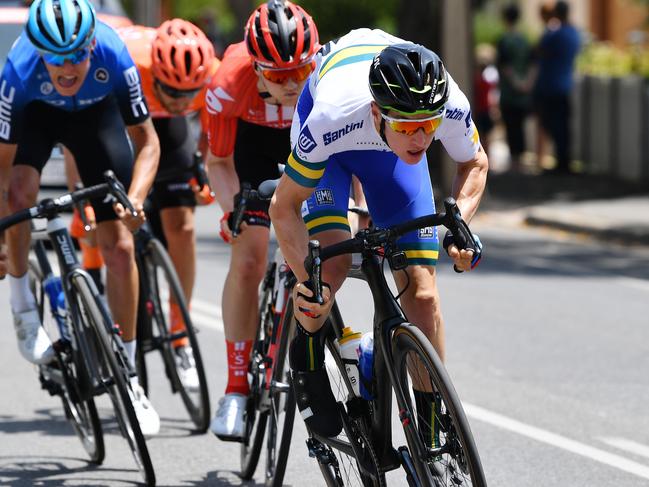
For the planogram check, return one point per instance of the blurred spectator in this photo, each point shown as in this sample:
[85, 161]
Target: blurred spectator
[557, 51]
[546, 12]
[485, 83]
[514, 68]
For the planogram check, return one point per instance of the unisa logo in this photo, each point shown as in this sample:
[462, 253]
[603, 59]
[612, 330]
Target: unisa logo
[306, 143]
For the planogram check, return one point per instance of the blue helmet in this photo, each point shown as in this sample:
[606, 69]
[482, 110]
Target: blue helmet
[61, 26]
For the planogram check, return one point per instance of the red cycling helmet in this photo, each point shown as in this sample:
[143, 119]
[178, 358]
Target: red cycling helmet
[281, 35]
[182, 55]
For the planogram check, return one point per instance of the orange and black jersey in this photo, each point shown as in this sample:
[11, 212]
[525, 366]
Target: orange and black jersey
[138, 40]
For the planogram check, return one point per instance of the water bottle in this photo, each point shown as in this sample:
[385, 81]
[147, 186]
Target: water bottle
[54, 290]
[366, 365]
[348, 345]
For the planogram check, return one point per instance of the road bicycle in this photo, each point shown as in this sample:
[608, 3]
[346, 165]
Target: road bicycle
[160, 289]
[270, 409]
[89, 354]
[440, 449]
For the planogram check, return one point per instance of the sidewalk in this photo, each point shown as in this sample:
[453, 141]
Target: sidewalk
[596, 206]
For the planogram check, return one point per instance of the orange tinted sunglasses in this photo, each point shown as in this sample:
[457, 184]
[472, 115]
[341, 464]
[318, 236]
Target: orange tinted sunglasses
[281, 76]
[409, 126]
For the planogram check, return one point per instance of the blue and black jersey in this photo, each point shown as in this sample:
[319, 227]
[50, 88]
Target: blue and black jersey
[25, 79]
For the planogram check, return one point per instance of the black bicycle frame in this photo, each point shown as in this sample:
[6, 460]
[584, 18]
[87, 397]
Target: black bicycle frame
[387, 317]
[69, 266]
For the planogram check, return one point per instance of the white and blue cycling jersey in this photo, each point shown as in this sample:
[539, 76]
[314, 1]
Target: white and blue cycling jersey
[25, 79]
[333, 136]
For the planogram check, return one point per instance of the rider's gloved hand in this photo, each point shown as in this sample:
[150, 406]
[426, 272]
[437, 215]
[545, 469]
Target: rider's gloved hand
[305, 302]
[463, 260]
[204, 196]
[225, 233]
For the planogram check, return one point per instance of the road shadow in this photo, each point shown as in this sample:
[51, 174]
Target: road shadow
[40, 472]
[51, 421]
[514, 190]
[545, 256]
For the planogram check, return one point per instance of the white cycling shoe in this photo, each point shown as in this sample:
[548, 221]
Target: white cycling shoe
[146, 414]
[229, 423]
[33, 342]
[186, 367]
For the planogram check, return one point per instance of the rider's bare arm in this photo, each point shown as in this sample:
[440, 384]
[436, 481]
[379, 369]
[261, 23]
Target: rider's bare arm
[469, 183]
[223, 179]
[147, 156]
[285, 213]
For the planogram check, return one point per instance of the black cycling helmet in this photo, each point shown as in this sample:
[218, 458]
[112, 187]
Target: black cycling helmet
[410, 79]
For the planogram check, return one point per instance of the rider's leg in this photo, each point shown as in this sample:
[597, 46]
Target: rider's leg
[420, 302]
[240, 319]
[116, 244]
[33, 342]
[178, 227]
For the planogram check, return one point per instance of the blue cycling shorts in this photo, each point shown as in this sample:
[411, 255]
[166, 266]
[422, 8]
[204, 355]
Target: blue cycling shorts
[395, 192]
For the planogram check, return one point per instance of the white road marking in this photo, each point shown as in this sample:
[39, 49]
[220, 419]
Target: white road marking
[628, 446]
[633, 282]
[557, 441]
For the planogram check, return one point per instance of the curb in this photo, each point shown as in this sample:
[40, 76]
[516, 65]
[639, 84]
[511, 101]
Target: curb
[622, 234]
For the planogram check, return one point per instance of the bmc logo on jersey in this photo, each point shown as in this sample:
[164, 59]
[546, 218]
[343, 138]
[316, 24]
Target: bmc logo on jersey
[6, 99]
[324, 197]
[305, 142]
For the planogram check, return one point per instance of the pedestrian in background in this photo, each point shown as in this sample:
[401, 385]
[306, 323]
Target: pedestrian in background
[485, 92]
[557, 51]
[514, 65]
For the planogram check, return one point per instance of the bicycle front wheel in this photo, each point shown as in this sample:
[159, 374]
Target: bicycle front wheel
[438, 434]
[112, 371]
[65, 376]
[282, 406]
[351, 459]
[165, 291]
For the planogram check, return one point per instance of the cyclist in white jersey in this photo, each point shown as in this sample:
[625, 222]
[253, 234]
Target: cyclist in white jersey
[372, 107]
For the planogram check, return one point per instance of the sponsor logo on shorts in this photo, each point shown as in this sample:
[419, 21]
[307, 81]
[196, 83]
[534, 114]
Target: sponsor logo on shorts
[47, 88]
[427, 232]
[305, 142]
[334, 135]
[101, 75]
[324, 197]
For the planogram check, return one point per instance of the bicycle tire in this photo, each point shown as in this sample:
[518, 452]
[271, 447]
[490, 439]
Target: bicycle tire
[197, 402]
[337, 467]
[80, 413]
[113, 371]
[255, 419]
[455, 461]
[269, 413]
[282, 411]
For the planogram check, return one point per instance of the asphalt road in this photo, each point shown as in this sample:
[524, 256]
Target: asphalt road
[547, 347]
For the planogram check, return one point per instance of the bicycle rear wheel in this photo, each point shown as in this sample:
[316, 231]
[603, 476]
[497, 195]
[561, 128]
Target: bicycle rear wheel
[63, 378]
[340, 466]
[111, 370]
[164, 288]
[438, 434]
